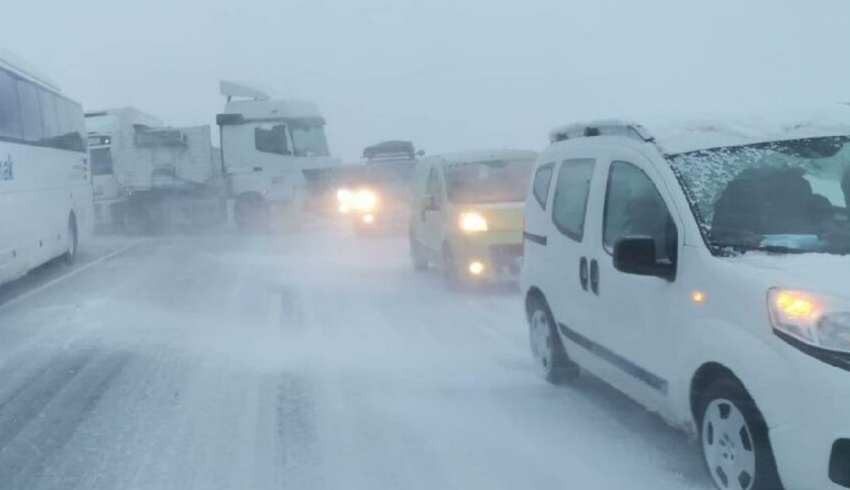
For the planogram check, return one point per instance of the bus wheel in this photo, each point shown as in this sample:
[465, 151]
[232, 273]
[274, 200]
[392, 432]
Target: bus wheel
[73, 241]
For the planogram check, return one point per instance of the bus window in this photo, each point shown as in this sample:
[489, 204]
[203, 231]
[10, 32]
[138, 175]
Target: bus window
[49, 116]
[70, 119]
[10, 114]
[30, 111]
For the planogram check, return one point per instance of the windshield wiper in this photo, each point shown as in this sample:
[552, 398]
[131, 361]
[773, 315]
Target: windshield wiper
[773, 249]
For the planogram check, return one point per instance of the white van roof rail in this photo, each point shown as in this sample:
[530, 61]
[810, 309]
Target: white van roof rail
[603, 127]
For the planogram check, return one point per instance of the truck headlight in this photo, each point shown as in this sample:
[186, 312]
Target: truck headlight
[817, 320]
[472, 222]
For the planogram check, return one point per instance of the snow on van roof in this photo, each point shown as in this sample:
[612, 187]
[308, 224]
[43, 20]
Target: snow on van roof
[21, 68]
[682, 136]
[484, 155]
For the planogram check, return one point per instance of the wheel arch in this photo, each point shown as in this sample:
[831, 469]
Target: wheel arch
[534, 293]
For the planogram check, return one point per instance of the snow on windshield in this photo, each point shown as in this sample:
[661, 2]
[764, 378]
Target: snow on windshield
[770, 193]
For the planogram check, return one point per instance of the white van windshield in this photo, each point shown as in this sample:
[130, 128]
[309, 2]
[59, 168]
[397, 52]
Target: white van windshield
[782, 197]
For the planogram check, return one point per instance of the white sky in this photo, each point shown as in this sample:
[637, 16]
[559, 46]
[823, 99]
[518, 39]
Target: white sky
[447, 74]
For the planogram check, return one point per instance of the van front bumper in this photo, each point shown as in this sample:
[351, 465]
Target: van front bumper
[811, 442]
[498, 253]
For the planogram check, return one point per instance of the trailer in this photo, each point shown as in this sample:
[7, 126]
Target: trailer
[149, 177]
[268, 146]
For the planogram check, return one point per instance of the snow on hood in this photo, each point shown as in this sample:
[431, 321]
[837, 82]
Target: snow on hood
[675, 137]
[815, 272]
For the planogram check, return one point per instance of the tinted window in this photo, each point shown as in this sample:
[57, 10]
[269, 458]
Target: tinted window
[633, 207]
[49, 117]
[542, 180]
[271, 139]
[570, 204]
[10, 114]
[101, 161]
[70, 126]
[30, 111]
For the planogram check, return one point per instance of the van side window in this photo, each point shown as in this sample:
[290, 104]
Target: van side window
[571, 190]
[542, 180]
[10, 113]
[271, 139]
[634, 207]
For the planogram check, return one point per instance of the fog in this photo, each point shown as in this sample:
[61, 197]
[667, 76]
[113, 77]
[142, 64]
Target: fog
[445, 74]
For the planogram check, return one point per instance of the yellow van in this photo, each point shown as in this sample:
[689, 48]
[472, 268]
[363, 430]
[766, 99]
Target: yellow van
[467, 214]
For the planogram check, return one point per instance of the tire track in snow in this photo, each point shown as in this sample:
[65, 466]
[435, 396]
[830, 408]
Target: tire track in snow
[298, 434]
[39, 419]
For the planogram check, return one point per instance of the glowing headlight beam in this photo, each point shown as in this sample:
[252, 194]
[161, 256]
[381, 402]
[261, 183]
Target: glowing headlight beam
[472, 222]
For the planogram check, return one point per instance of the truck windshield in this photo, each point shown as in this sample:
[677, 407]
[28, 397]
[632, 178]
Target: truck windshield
[781, 197]
[488, 182]
[308, 140]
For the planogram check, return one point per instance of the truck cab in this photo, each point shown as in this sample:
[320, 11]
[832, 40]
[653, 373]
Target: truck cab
[266, 146]
[109, 131]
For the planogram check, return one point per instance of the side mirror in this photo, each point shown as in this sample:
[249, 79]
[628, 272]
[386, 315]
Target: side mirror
[636, 255]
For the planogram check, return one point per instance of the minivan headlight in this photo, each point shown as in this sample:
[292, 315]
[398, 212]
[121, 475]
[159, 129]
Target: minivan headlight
[814, 319]
[472, 222]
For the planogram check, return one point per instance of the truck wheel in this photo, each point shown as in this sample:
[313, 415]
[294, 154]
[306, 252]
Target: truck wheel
[734, 439]
[73, 241]
[548, 351]
[252, 214]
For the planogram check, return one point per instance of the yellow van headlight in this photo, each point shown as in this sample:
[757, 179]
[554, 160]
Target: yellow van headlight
[472, 222]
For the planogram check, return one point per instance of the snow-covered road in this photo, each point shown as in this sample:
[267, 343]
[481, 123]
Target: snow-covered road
[308, 361]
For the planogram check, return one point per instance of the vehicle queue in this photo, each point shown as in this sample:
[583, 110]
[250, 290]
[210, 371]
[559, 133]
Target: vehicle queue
[697, 268]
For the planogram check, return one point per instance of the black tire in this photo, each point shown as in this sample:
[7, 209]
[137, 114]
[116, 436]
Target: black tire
[420, 262]
[252, 214]
[73, 241]
[556, 366]
[727, 394]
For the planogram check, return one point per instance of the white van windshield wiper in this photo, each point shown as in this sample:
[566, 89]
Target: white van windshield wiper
[747, 247]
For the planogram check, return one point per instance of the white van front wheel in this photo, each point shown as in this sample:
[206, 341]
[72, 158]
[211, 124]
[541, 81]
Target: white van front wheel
[734, 439]
[546, 347]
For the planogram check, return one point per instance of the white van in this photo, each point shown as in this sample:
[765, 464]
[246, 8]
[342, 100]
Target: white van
[703, 270]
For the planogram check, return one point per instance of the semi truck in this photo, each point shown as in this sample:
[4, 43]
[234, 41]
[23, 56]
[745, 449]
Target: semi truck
[269, 146]
[149, 177]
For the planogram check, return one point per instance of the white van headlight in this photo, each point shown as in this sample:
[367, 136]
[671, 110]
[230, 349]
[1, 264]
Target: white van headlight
[814, 319]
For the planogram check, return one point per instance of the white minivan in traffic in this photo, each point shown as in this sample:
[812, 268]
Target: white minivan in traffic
[702, 269]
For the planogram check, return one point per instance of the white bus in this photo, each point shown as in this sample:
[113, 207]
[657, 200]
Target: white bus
[45, 186]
